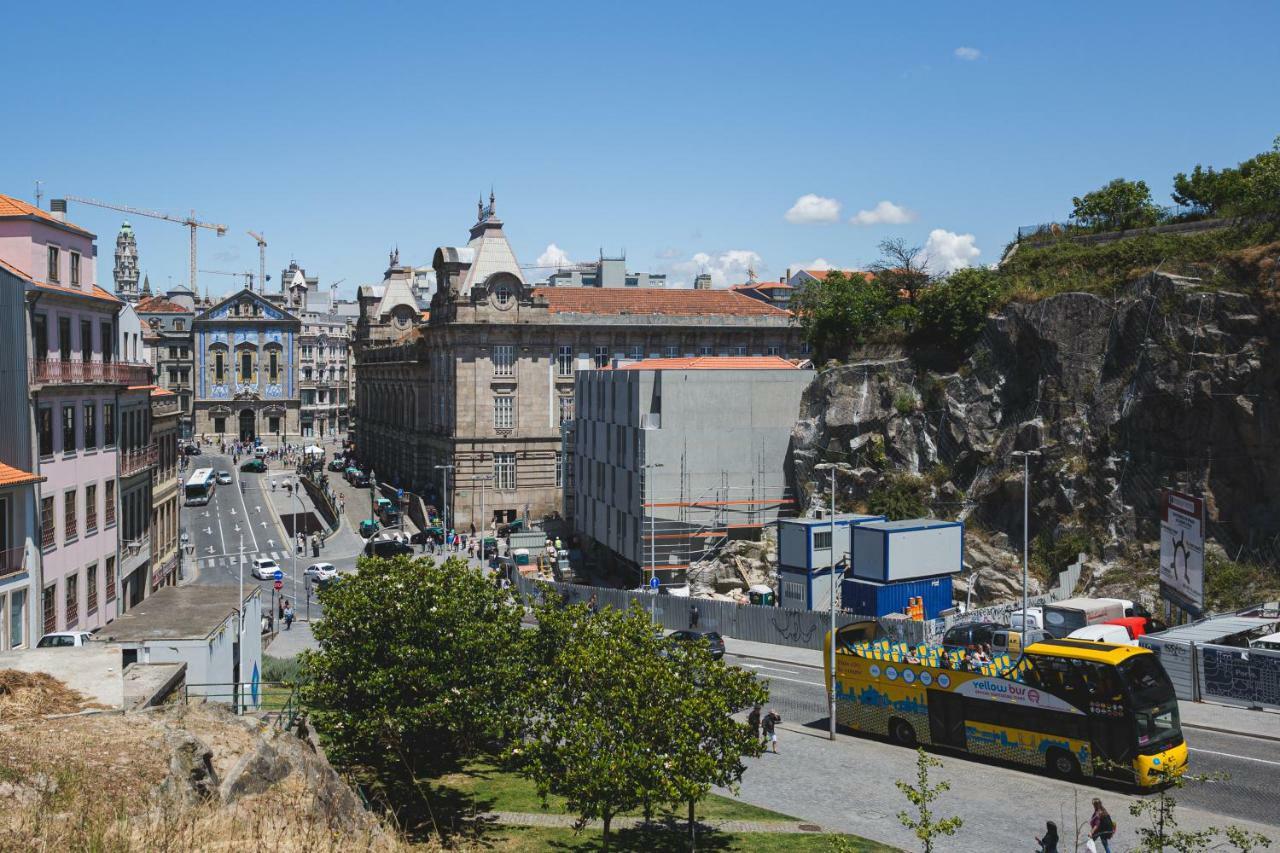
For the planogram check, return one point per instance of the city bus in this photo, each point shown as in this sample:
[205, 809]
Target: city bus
[200, 486]
[1068, 706]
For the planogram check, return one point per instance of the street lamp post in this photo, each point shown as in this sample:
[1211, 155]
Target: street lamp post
[444, 502]
[240, 609]
[1026, 523]
[832, 468]
[653, 541]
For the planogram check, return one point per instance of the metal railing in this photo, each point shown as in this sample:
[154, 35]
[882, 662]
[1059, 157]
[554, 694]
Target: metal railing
[56, 371]
[276, 701]
[136, 461]
[1147, 218]
[12, 560]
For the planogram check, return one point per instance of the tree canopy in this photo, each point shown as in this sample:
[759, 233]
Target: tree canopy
[1117, 206]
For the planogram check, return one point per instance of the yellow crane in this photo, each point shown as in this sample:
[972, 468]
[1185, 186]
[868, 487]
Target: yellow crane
[262, 260]
[190, 221]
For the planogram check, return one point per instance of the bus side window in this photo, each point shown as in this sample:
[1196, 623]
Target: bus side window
[1104, 683]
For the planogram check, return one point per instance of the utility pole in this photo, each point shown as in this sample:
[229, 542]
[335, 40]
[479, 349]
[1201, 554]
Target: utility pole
[1026, 525]
[832, 468]
[444, 501]
[240, 608]
[653, 541]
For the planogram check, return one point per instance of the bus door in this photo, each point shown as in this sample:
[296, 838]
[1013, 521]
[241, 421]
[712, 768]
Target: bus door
[1110, 727]
[946, 719]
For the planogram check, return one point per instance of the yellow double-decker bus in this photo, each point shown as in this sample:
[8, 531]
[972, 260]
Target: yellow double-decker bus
[1072, 707]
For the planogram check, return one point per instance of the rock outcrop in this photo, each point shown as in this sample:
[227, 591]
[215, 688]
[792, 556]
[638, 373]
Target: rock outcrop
[1169, 384]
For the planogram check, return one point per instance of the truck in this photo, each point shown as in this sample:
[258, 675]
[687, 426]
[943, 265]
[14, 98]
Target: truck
[1063, 617]
[533, 540]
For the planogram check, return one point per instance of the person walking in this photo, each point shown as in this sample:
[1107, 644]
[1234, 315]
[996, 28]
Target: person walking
[1049, 841]
[753, 720]
[592, 606]
[288, 617]
[280, 607]
[1101, 825]
[693, 617]
[770, 726]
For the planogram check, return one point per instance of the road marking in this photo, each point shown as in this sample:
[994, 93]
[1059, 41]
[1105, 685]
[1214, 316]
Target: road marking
[1232, 755]
[774, 668]
[796, 680]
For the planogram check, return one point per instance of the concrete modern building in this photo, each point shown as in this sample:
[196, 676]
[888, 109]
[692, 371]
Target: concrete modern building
[19, 495]
[165, 489]
[604, 272]
[480, 385]
[125, 272]
[76, 374]
[167, 321]
[672, 457]
[245, 370]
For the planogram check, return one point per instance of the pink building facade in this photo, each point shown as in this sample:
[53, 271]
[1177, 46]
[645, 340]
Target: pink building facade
[76, 375]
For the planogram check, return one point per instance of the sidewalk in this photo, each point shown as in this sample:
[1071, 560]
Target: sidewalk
[344, 542]
[628, 822]
[1226, 719]
[289, 643]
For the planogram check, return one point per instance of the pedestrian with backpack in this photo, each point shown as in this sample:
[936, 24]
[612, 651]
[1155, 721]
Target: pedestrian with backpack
[770, 726]
[1101, 826]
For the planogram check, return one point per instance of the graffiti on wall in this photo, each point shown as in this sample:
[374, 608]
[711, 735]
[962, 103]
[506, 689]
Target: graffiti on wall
[1244, 675]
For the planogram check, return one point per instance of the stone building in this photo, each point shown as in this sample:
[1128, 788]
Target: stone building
[165, 488]
[245, 370]
[167, 321]
[125, 272]
[484, 381]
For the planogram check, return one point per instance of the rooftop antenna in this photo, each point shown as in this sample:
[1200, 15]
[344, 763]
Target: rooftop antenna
[39, 193]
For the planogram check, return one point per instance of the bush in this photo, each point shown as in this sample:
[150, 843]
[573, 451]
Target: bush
[1229, 585]
[1118, 206]
[904, 402]
[900, 496]
[286, 670]
[954, 311]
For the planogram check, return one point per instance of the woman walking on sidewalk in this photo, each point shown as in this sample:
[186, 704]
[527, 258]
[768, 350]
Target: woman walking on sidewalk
[770, 726]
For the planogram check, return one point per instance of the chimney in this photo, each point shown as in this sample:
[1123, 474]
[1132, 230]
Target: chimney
[788, 278]
[702, 282]
[58, 207]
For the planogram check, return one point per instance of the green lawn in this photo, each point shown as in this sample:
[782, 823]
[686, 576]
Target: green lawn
[499, 790]
[529, 838]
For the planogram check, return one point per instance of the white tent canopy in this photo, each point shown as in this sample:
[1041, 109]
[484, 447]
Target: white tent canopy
[314, 450]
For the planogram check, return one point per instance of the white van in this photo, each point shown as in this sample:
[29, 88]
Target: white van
[1063, 617]
[1116, 635]
[1269, 643]
[1034, 619]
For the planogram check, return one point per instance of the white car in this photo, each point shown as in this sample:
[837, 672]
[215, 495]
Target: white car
[1113, 634]
[264, 568]
[224, 478]
[320, 572]
[63, 639]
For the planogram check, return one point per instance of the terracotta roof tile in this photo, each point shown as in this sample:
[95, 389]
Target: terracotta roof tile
[10, 476]
[821, 275]
[159, 305]
[601, 300]
[14, 270]
[714, 362]
[161, 392]
[10, 206]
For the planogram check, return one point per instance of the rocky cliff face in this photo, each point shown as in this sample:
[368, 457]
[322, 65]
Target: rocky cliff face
[1168, 385]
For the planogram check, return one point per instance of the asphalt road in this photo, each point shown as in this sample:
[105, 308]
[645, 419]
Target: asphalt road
[1251, 765]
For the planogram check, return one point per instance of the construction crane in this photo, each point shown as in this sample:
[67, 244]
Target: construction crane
[191, 222]
[248, 276]
[262, 259]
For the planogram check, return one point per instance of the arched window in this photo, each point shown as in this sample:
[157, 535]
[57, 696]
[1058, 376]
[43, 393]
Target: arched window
[218, 363]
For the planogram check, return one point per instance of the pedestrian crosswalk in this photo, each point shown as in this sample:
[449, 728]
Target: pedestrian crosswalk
[231, 561]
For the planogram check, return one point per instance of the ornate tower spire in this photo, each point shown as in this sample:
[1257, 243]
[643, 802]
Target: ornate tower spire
[125, 271]
[146, 285]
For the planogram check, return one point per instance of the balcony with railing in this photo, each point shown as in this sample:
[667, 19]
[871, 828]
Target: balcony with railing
[138, 460]
[12, 561]
[52, 371]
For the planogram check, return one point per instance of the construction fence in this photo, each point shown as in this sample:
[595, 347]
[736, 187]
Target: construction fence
[1230, 675]
[799, 628]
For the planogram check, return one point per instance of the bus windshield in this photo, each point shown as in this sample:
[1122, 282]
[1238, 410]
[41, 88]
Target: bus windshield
[1155, 706]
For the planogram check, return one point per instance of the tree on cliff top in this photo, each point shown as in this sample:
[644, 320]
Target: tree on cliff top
[1118, 206]
[840, 310]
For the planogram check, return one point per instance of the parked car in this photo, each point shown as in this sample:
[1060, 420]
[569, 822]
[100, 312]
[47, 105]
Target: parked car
[253, 466]
[224, 478]
[713, 639]
[1269, 643]
[1012, 641]
[1116, 635]
[970, 634]
[511, 527]
[320, 571]
[1035, 618]
[359, 479]
[337, 464]
[63, 639]
[388, 547]
[368, 527]
[191, 449]
[264, 568]
[260, 452]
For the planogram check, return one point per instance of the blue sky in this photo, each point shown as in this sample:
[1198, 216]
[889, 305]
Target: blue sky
[681, 132]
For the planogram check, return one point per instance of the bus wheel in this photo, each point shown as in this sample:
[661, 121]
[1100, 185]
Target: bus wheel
[1062, 763]
[901, 733]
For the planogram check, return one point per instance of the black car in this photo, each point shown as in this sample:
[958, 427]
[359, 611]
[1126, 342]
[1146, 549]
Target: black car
[386, 548]
[970, 634]
[712, 638]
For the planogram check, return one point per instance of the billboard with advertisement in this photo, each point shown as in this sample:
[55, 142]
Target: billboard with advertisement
[1182, 550]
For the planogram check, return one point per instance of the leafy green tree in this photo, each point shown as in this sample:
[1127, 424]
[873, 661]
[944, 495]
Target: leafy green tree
[926, 826]
[1214, 192]
[1158, 830]
[1118, 206]
[416, 666]
[840, 311]
[621, 719]
[900, 496]
[953, 312]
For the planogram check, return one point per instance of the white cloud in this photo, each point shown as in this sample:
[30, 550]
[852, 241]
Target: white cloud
[811, 208]
[968, 54]
[884, 213]
[815, 264]
[949, 251]
[726, 268]
[553, 256]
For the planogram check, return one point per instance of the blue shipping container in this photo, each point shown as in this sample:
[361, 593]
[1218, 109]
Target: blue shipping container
[868, 598]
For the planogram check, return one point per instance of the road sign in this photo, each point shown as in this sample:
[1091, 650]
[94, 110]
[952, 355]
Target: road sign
[653, 582]
[278, 585]
[399, 493]
[279, 575]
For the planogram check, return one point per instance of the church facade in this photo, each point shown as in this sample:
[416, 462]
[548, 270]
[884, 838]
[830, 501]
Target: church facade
[246, 382]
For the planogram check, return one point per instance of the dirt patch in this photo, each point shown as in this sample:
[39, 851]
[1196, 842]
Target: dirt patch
[24, 695]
